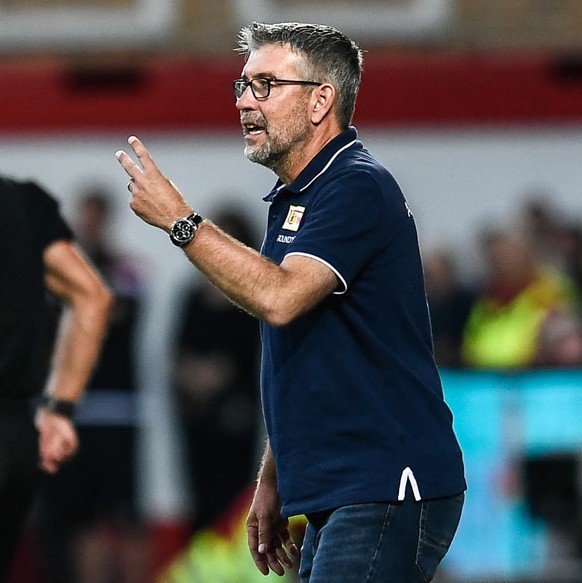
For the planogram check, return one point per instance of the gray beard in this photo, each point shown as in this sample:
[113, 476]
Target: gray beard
[265, 157]
[260, 156]
[277, 154]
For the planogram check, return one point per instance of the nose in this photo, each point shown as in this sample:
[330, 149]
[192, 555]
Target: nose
[246, 100]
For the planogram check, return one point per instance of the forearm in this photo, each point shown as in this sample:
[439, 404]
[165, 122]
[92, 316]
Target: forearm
[274, 293]
[267, 475]
[79, 339]
[250, 280]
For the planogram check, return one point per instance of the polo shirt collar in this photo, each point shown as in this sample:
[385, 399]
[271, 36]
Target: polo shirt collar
[318, 165]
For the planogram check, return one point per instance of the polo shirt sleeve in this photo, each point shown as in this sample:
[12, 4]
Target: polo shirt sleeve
[346, 224]
[44, 209]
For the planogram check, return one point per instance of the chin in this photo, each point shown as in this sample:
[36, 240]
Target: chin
[257, 155]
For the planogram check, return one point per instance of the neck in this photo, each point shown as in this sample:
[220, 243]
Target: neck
[296, 161]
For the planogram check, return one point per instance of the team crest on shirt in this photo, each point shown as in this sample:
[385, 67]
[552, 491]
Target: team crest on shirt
[294, 217]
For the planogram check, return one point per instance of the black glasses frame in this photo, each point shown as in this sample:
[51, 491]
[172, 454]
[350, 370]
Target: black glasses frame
[265, 83]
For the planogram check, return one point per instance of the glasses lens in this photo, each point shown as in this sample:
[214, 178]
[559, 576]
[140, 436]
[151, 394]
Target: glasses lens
[239, 86]
[261, 88]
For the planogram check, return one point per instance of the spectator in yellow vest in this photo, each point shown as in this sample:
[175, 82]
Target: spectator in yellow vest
[519, 294]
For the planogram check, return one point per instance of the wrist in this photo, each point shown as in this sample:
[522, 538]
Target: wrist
[183, 230]
[62, 407]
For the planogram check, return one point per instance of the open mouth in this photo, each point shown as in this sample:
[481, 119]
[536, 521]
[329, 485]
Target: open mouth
[252, 129]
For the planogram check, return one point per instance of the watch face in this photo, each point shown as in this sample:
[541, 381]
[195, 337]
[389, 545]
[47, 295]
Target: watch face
[183, 231]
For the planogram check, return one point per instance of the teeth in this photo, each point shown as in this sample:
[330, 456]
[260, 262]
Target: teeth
[253, 129]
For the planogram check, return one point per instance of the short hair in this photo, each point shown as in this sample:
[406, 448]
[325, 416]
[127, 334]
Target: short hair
[329, 56]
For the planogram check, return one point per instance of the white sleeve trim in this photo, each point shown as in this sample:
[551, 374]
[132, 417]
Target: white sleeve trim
[337, 273]
[408, 476]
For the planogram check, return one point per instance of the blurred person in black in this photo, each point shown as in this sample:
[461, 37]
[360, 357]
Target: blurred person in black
[37, 254]
[449, 302]
[216, 379]
[543, 226]
[90, 512]
[571, 242]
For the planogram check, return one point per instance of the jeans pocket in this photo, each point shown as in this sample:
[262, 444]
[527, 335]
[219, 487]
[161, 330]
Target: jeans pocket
[439, 520]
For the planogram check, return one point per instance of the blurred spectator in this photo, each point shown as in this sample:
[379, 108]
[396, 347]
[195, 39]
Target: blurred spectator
[571, 242]
[519, 293]
[542, 227]
[560, 342]
[449, 302]
[92, 531]
[555, 239]
[216, 378]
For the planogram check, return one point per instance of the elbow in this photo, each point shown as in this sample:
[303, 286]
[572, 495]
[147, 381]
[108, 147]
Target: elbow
[277, 320]
[103, 300]
[279, 316]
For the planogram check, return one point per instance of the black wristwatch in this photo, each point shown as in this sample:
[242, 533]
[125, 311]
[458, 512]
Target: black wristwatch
[58, 406]
[183, 230]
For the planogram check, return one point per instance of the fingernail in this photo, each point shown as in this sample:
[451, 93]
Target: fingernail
[262, 548]
[131, 139]
[118, 154]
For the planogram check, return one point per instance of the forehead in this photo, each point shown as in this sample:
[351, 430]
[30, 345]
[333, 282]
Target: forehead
[274, 61]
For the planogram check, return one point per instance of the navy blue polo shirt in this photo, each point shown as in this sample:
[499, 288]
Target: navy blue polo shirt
[351, 394]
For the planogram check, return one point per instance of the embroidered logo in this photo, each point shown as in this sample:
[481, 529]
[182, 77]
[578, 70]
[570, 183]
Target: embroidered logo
[408, 211]
[294, 217]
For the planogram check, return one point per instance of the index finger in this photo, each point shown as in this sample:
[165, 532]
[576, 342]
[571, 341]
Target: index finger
[289, 543]
[132, 169]
[253, 542]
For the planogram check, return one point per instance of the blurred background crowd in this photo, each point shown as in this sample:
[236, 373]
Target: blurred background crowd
[476, 105]
[524, 311]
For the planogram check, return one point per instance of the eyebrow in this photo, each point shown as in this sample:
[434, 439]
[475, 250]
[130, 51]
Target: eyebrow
[263, 75]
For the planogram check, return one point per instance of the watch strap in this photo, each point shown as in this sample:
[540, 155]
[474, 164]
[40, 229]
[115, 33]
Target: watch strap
[58, 406]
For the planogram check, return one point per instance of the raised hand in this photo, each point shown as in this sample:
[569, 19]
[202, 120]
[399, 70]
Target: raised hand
[154, 198]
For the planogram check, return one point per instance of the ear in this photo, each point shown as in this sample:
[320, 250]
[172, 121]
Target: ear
[323, 98]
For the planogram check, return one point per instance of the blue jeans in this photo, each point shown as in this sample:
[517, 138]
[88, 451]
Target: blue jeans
[400, 542]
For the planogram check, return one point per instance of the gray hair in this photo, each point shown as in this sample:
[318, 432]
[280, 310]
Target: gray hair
[329, 57]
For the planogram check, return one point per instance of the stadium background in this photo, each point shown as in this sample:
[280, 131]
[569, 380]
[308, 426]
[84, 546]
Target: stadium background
[473, 104]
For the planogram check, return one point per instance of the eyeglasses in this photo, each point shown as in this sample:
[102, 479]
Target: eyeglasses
[261, 86]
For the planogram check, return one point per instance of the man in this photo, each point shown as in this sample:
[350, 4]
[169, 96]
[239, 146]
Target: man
[37, 255]
[82, 508]
[360, 440]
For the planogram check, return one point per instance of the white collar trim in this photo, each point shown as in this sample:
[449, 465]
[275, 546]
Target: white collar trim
[328, 164]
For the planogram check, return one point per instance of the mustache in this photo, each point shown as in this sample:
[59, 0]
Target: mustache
[250, 118]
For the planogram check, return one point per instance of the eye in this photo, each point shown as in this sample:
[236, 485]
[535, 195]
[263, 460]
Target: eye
[261, 85]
